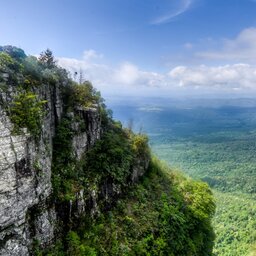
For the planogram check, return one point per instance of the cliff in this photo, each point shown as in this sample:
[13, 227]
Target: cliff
[65, 162]
[27, 210]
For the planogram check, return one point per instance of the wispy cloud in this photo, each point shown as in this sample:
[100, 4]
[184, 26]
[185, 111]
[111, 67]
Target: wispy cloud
[184, 6]
[91, 54]
[241, 48]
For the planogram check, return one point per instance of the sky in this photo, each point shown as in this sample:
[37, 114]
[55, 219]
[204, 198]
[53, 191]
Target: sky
[154, 48]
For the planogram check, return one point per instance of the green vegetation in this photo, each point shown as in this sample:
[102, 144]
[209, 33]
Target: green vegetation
[166, 214]
[112, 157]
[229, 166]
[46, 59]
[20, 80]
[83, 95]
[224, 159]
[219, 148]
[235, 223]
[65, 170]
[27, 111]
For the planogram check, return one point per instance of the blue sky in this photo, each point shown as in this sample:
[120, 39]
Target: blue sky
[143, 47]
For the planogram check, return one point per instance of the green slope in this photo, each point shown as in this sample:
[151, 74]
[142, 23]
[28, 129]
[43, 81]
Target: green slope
[226, 160]
[165, 214]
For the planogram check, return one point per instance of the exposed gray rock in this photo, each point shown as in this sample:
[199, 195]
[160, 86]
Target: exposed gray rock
[87, 130]
[26, 211]
[25, 181]
[140, 166]
[45, 225]
[14, 247]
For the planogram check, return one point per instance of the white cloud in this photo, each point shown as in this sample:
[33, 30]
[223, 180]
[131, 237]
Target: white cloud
[120, 79]
[127, 73]
[240, 49]
[130, 74]
[232, 77]
[184, 6]
[91, 54]
[128, 79]
[97, 73]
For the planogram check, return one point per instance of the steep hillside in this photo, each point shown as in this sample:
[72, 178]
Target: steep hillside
[216, 144]
[74, 182]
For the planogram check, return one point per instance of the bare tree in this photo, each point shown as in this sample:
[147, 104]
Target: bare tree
[81, 76]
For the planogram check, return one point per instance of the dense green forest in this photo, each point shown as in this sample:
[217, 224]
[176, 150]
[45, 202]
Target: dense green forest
[164, 213]
[226, 161]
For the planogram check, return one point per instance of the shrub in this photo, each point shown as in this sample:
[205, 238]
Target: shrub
[110, 157]
[26, 111]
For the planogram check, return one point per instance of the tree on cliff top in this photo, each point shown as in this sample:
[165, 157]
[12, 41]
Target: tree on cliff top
[47, 59]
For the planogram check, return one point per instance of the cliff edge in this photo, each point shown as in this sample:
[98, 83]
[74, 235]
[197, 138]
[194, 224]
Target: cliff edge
[71, 176]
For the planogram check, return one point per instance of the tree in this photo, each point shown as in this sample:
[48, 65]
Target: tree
[47, 59]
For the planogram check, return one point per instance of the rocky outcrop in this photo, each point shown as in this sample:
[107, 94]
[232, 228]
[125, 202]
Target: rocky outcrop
[25, 182]
[26, 211]
[28, 215]
[87, 130]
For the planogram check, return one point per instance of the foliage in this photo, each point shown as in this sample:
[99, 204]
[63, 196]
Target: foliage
[84, 95]
[111, 157]
[26, 111]
[218, 146]
[163, 215]
[9, 66]
[11, 63]
[65, 174]
[32, 71]
[47, 60]
[235, 223]
[5, 61]
[25, 77]
[29, 71]
[228, 165]
[76, 248]
[139, 144]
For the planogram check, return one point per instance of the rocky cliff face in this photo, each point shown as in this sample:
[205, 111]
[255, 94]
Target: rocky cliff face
[27, 212]
[36, 200]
